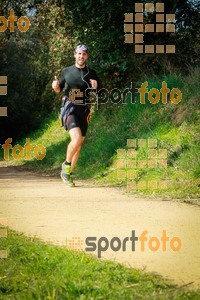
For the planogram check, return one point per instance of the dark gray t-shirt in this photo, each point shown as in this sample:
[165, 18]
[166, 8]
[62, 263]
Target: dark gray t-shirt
[76, 83]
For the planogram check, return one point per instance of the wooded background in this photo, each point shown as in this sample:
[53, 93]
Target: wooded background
[31, 59]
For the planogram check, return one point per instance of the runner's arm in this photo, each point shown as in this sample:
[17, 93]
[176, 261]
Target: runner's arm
[58, 85]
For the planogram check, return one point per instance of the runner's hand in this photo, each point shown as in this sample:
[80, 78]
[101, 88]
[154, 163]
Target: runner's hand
[93, 83]
[55, 83]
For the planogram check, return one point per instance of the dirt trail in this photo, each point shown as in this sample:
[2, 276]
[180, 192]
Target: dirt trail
[45, 207]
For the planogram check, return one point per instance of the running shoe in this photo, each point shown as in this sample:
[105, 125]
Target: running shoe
[66, 176]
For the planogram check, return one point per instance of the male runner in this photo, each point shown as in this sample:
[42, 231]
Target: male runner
[75, 80]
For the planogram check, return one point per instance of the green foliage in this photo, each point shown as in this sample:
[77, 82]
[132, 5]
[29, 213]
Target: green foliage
[174, 126]
[31, 59]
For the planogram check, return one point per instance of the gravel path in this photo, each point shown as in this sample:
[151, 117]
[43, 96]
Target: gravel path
[45, 207]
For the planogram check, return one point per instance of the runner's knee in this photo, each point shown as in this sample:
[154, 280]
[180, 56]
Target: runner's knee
[77, 142]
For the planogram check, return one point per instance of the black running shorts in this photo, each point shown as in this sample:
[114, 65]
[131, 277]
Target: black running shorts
[77, 119]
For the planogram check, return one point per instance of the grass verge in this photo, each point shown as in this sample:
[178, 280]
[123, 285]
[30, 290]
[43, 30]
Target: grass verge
[175, 127]
[35, 270]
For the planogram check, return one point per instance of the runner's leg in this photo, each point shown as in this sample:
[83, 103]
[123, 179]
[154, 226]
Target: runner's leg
[77, 127]
[76, 156]
[75, 143]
